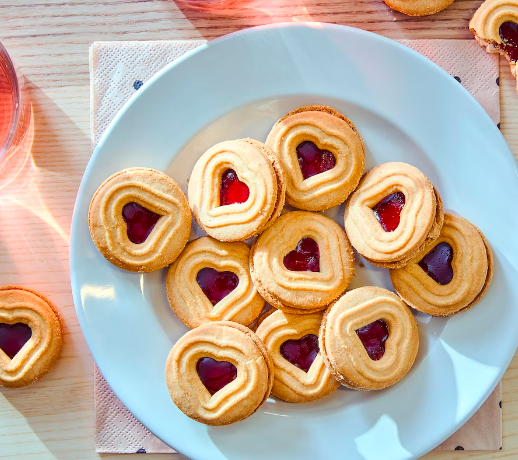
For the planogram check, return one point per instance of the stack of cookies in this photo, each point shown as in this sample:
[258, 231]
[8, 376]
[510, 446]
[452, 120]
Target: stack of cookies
[314, 335]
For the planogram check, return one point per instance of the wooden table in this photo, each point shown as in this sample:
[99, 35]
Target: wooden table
[49, 39]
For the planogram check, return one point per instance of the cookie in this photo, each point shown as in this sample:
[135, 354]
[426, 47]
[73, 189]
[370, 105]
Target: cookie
[394, 212]
[369, 339]
[139, 219]
[418, 7]
[219, 373]
[210, 281]
[292, 341]
[30, 336]
[495, 25]
[236, 189]
[322, 155]
[449, 275]
[302, 263]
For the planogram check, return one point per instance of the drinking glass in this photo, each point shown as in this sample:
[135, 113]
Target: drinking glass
[15, 114]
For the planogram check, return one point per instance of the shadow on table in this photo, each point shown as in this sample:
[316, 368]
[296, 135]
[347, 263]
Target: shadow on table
[36, 211]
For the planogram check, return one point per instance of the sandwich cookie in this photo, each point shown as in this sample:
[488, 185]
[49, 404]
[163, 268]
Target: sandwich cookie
[495, 25]
[302, 263]
[369, 339]
[394, 212]
[31, 337]
[219, 373]
[322, 155]
[292, 341]
[449, 275]
[210, 281]
[236, 189]
[139, 219]
[418, 7]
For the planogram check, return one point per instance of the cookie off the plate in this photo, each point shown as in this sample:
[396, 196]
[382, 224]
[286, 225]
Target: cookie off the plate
[302, 263]
[31, 336]
[495, 25]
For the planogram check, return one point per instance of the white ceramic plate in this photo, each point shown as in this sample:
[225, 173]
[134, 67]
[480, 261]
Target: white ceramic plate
[406, 109]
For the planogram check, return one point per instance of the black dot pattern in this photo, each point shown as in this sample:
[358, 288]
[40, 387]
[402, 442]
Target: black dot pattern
[500, 404]
[498, 81]
[141, 451]
[459, 448]
[458, 79]
[498, 125]
[137, 84]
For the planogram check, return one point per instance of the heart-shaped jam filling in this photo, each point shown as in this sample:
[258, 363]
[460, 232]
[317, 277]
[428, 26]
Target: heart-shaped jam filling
[215, 374]
[302, 352]
[437, 263]
[139, 221]
[305, 258]
[373, 337]
[509, 35]
[13, 337]
[231, 189]
[216, 285]
[312, 160]
[388, 211]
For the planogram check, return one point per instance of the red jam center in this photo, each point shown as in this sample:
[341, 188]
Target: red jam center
[139, 221]
[388, 211]
[302, 352]
[13, 337]
[216, 285]
[437, 263]
[305, 258]
[373, 337]
[215, 374]
[509, 36]
[312, 160]
[231, 189]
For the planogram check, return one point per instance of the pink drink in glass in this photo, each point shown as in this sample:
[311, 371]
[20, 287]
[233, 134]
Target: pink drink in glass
[6, 99]
[15, 113]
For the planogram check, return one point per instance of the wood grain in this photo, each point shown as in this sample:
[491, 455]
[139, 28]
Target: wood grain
[49, 39]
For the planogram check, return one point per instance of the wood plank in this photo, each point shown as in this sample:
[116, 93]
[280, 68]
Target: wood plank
[49, 39]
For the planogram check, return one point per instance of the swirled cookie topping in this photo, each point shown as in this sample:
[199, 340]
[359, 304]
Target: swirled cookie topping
[109, 219]
[490, 16]
[292, 383]
[345, 354]
[254, 166]
[186, 297]
[19, 306]
[322, 155]
[420, 218]
[301, 290]
[223, 342]
[495, 25]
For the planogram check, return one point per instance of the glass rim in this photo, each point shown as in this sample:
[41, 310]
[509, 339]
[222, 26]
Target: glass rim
[16, 100]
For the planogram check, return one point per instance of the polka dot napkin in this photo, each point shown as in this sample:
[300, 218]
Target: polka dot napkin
[119, 69]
